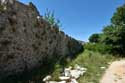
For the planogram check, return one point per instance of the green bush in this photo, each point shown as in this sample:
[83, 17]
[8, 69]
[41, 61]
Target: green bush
[98, 47]
[112, 38]
[1, 8]
[50, 17]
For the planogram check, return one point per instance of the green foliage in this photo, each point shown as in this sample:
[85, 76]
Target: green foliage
[93, 61]
[50, 17]
[98, 47]
[108, 33]
[94, 38]
[119, 16]
[1, 8]
[112, 38]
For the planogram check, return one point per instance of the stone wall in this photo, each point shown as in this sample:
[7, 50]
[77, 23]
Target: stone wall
[25, 40]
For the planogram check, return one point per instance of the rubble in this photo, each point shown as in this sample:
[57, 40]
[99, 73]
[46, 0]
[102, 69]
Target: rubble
[71, 75]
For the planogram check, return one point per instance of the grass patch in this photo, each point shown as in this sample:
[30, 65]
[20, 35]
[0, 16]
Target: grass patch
[92, 61]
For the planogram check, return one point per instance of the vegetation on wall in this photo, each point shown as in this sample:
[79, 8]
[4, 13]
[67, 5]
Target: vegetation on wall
[50, 17]
[1, 8]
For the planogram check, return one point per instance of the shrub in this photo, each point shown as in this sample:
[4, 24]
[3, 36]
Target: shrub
[1, 8]
[112, 37]
[50, 17]
[98, 47]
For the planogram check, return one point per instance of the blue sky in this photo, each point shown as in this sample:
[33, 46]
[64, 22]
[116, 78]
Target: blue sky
[80, 18]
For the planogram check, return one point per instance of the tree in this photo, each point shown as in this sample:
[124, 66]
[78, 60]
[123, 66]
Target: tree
[108, 34]
[113, 35]
[94, 38]
[116, 31]
[119, 16]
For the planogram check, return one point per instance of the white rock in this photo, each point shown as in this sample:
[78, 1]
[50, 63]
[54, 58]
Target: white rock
[5, 8]
[80, 68]
[47, 78]
[67, 72]
[83, 69]
[38, 17]
[102, 67]
[82, 73]
[62, 82]
[70, 67]
[109, 63]
[57, 82]
[63, 78]
[52, 82]
[77, 66]
[75, 73]
[73, 81]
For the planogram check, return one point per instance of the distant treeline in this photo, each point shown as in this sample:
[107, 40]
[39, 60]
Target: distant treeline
[112, 38]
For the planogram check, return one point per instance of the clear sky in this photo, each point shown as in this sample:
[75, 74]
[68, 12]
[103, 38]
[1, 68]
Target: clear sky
[80, 18]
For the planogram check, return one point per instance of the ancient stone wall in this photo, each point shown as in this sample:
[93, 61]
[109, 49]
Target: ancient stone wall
[26, 40]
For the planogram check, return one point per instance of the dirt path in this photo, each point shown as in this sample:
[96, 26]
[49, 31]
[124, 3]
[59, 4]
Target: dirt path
[115, 73]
